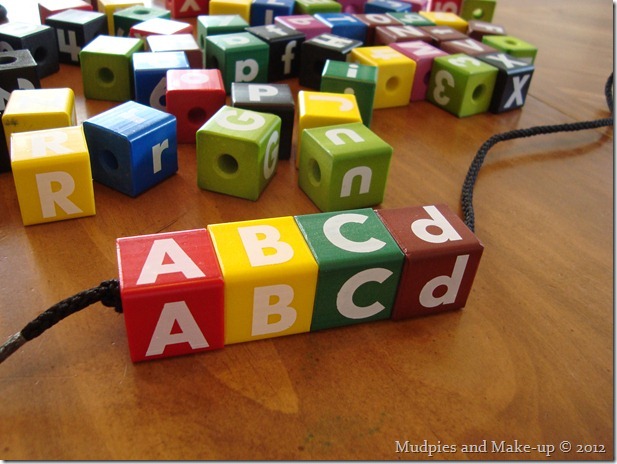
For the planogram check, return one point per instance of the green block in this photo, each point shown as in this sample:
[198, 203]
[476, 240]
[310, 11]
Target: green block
[359, 267]
[106, 68]
[241, 57]
[461, 84]
[355, 78]
[126, 18]
[512, 46]
[480, 10]
[343, 166]
[411, 19]
[218, 24]
[237, 152]
[312, 7]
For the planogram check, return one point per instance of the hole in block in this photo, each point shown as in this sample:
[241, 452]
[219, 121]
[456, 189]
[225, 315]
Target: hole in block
[478, 92]
[7, 60]
[197, 116]
[228, 164]
[392, 84]
[109, 160]
[144, 11]
[512, 42]
[478, 13]
[39, 54]
[314, 172]
[106, 76]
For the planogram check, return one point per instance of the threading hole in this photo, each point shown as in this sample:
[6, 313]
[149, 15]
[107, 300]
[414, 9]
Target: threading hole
[427, 77]
[109, 160]
[478, 92]
[512, 42]
[392, 84]
[197, 116]
[478, 13]
[314, 172]
[228, 164]
[106, 76]
[143, 11]
[7, 60]
[40, 54]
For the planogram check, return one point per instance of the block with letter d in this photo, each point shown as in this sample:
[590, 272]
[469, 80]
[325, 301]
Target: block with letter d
[270, 278]
[237, 152]
[132, 146]
[441, 259]
[359, 267]
[344, 167]
[172, 294]
[52, 174]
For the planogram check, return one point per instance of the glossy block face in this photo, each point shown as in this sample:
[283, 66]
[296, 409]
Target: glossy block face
[216, 25]
[51, 169]
[160, 26]
[263, 12]
[344, 167]
[359, 267]
[447, 18]
[313, 7]
[270, 278]
[237, 152]
[344, 25]
[109, 7]
[441, 259]
[241, 8]
[172, 294]
[150, 76]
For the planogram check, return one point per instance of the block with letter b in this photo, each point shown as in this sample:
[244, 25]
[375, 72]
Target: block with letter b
[441, 259]
[52, 174]
[38, 38]
[512, 83]
[133, 147]
[237, 152]
[344, 167]
[359, 267]
[172, 294]
[150, 76]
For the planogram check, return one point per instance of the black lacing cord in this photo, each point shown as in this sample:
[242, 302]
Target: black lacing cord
[476, 164]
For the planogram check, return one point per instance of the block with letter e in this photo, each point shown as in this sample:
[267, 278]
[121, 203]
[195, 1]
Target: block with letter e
[52, 174]
[172, 294]
[441, 259]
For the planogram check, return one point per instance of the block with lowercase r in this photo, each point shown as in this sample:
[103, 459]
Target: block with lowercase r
[53, 179]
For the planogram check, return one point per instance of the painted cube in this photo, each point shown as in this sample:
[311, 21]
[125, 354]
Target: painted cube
[150, 76]
[38, 38]
[513, 80]
[74, 30]
[126, 18]
[284, 44]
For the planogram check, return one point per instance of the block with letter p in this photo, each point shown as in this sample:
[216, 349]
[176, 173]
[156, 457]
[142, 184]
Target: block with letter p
[344, 167]
[51, 169]
[441, 259]
[172, 294]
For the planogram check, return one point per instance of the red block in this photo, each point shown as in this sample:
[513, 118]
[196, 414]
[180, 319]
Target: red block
[373, 21]
[187, 8]
[172, 294]
[441, 259]
[447, 6]
[193, 96]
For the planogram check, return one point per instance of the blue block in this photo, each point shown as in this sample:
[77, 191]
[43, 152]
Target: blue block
[386, 6]
[149, 75]
[132, 147]
[344, 25]
[263, 12]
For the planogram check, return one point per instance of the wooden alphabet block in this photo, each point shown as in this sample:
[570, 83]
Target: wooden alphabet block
[469, 46]
[160, 26]
[109, 7]
[51, 170]
[193, 97]
[263, 12]
[241, 8]
[74, 30]
[38, 109]
[373, 21]
[359, 267]
[478, 10]
[344, 25]
[352, 78]
[441, 34]
[133, 147]
[478, 29]
[352, 6]
[39, 39]
[106, 67]
[17, 71]
[284, 44]
[185, 43]
[312, 7]
[315, 53]
[386, 35]
[150, 76]
[423, 55]
[417, 5]
[441, 259]
[126, 18]
[172, 294]
[386, 6]
[217, 25]
[241, 57]
[237, 152]
[187, 8]
[512, 84]
[461, 84]
[51, 7]
[411, 19]
[343, 167]
[269, 98]
[307, 24]
[446, 6]
[513, 46]
[394, 76]
[270, 278]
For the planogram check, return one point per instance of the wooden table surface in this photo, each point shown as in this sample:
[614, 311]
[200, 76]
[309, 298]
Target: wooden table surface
[529, 361]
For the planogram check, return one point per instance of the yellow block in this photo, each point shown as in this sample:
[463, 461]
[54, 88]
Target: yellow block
[270, 278]
[394, 75]
[231, 7]
[38, 109]
[109, 7]
[53, 179]
[319, 109]
[445, 18]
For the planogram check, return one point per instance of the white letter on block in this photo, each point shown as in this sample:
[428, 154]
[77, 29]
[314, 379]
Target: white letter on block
[365, 174]
[176, 312]
[272, 155]
[52, 141]
[263, 247]
[334, 135]
[242, 65]
[250, 120]
[256, 91]
[344, 299]
[155, 266]
[272, 317]
[420, 227]
[332, 231]
[427, 298]
[157, 154]
[50, 198]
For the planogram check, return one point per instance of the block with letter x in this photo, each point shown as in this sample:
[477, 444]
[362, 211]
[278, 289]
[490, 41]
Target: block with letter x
[513, 80]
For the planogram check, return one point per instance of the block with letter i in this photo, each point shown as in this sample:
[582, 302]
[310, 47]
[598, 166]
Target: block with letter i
[133, 147]
[359, 267]
[106, 67]
[126, 18]
[284, 44]
[74, 30]
[343, 167]
[270, 277]
[441, 259]
[269, 98]
[39, 39]
[193, 97]
[51, 169]
[513, 80]
[461, 84]
[150, 76]
[187, 8]
[172, 293]
[237, 152]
